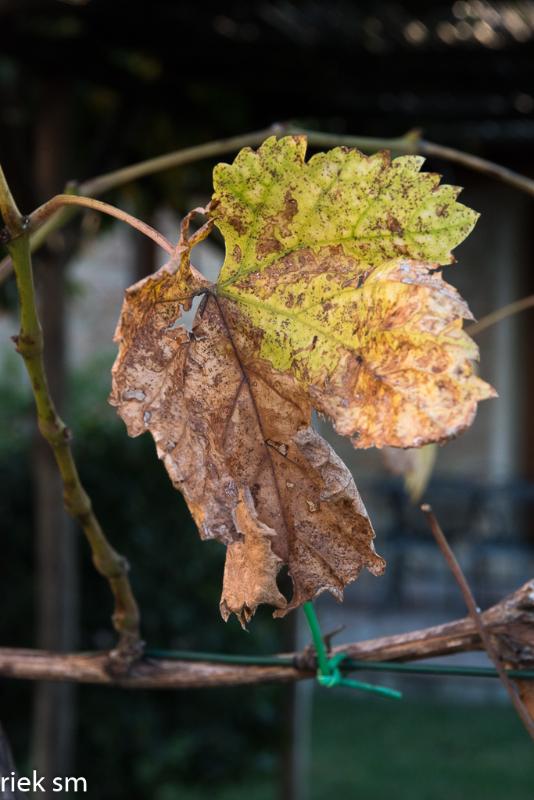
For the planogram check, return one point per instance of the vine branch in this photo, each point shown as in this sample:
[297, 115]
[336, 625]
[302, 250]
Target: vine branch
[499, 314]
[477, 164]
[510, 622]
[474, 613]
[409, 144]
[30, 345]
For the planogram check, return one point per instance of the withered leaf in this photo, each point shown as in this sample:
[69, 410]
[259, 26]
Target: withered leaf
[328, 298]
[415, 465]
[226, 424]
[251, 566]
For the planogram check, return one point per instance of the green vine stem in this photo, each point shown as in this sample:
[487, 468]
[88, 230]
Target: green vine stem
[29, 344]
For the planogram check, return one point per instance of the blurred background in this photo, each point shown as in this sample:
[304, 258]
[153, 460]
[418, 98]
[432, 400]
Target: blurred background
[88, 86]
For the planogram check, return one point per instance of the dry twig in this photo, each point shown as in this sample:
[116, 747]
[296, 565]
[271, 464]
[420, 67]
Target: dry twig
[476, 616]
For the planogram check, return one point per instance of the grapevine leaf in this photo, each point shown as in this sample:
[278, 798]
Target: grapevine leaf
[329, 297]
[235, 438]
[331, 263]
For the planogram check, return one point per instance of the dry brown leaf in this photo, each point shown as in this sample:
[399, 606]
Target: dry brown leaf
[225, 423]
[251, 566]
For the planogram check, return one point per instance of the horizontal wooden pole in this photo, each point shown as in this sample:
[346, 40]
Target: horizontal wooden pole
[510, 623]
[144, 674]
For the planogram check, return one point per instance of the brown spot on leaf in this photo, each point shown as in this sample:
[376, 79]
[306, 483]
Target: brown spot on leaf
[394, 225]
[267, 246]
[237, 223]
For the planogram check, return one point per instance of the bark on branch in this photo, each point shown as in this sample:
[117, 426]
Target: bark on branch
[510, 624]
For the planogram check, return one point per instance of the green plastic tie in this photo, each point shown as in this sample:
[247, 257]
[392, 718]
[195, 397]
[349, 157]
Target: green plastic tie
[328, 671]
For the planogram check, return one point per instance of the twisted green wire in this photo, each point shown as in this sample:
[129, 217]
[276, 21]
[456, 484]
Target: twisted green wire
[349, 664]
[328, 673]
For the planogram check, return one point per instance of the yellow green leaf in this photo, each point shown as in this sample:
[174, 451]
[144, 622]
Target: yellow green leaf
[332, 265]
[272, 203]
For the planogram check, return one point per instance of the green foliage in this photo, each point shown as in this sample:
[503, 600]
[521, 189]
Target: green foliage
[418, 750]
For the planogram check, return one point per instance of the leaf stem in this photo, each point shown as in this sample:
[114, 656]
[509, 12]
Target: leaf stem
[45, 212]
[30, 345]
